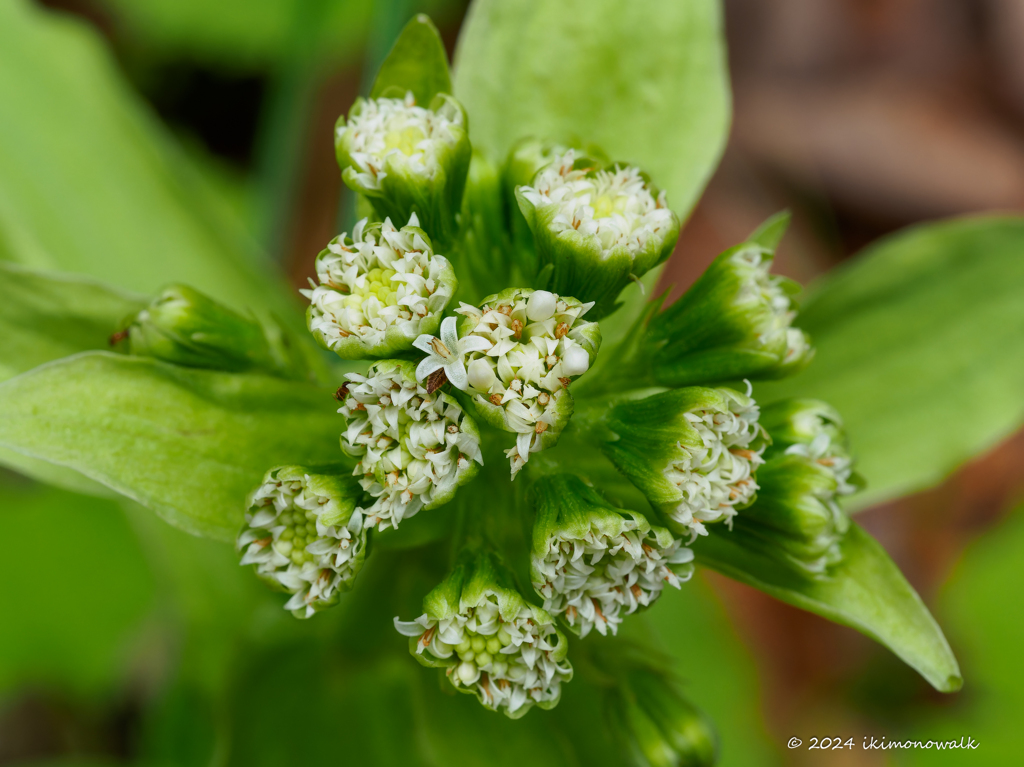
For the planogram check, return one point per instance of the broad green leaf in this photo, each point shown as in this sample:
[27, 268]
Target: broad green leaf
[990, 634]
[52, 474]
[76, 589]
[865, 591]
[48, 315]
[417, 63]
[90, 183]
[188, 444]
[921, 348]
[645, 81]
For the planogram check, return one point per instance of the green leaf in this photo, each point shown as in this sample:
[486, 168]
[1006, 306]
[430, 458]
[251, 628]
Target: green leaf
[865, 591]
[90, 182]
[921, 348]
[48, 315]
[76, 589]
[188, 444]
[645, 81]
[417, 63]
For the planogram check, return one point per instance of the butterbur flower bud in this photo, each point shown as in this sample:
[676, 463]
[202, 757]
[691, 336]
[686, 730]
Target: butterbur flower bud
[415, 447]
[735, 322]
[797, 516]
[535, 344]
[304, 534]
[378, 290]
[490, 641]
[656, 727]
[407, 158]
[693, 452]
[185, 327]
[596, 227]
[593, 563]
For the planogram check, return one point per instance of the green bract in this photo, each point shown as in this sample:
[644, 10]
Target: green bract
[593, 563]
[379, 290]
[185, 327]
[490, 641]
[595, 227]
[304, 534]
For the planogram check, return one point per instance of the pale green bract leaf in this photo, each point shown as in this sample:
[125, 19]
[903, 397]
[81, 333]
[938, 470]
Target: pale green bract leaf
[921, 348]
[865, 591]
[417, 63]
[48, 315]
[90, 183]
[188, 444]
[647, 82]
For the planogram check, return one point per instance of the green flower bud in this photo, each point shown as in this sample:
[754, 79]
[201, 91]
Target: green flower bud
[693, 452]
[407, 159]
[185, 327]
[304, 534]
[657, 727]
[735, 322]
[537, 344]
[415, 448]
[596, 227]
[593, 563]
[479, 601]
[379, 290]
[797, 517]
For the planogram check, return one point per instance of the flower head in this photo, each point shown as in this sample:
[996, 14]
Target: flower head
[378, 290]
[796, 517]
[596, 227]
[490, 641]
[407, 158]
[415, 448]
[447, 353]
[305, 535]
[693, 453]
[735, 322]
[593, 563]
[536, 345]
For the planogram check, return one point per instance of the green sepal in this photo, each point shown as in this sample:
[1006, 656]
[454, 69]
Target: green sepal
[417, 62]
[435, 200]
[188, 328]
[642, 437]
[799, 421]
[578, 265]
[396, 341]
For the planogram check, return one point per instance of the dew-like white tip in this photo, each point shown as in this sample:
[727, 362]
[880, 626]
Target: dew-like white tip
[540, 306]
[576, 361]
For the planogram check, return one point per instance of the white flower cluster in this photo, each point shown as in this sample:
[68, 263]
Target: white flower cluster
[508, 664]
[614, 207]
[290, 545]
[415, 448]
[594, 581]
[763, 290]
[823, 451]
[383, 279]
[399, 131]
[530, 361]
[717, 476]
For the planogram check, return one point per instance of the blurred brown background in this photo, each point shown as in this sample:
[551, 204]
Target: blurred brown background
[860, 116]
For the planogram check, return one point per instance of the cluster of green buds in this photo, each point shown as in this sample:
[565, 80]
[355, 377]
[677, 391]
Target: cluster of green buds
[454, 368]
[490, 641]
[593, 563]
[305, 535]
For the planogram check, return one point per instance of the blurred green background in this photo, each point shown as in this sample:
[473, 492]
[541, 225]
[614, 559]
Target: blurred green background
[126, 641]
